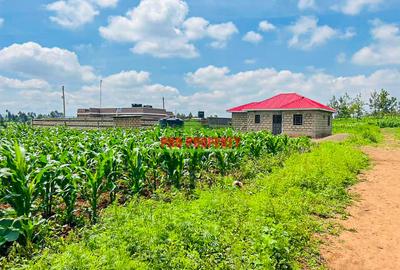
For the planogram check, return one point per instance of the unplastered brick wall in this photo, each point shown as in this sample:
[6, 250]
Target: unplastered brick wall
[322, 128]
[239, 121]
[265, 120]
[128, 122]
[306, 129]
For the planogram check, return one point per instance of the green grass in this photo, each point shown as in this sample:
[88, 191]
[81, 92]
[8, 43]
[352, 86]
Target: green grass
[268, 224]
[192, 124]
[362, 131]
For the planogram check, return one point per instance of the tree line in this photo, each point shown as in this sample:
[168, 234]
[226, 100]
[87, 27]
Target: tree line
[380, 103]
[23, 117]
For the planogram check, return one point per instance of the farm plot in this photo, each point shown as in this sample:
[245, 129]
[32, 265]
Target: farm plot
[52, 180]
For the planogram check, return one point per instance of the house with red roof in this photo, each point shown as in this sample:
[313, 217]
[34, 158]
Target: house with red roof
[287, 113]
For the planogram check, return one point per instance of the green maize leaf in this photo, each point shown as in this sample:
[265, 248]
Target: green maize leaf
[12, 235]
[3, 240]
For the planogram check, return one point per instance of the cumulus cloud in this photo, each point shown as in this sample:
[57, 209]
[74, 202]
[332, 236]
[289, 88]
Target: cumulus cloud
[160, 28]
[354, 7]
[8, 84]
[214, 89]
[75, 13]
[307, 34]
[252, 37]
[31, 60]
[220, 86]
[306, 4]
[266, 26]
[385, 49]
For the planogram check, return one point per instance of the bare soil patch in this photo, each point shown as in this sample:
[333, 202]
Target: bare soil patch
[371, 236]
[333, 138]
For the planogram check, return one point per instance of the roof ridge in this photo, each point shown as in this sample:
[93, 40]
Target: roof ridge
[300, 97]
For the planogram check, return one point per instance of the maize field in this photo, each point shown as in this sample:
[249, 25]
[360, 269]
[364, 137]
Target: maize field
[64, 177]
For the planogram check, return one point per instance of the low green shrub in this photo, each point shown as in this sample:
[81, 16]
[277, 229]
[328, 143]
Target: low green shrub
[268, 224]
[362, 131]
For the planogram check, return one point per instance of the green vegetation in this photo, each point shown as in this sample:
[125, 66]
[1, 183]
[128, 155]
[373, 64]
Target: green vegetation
[52, 179]
[380, 104]
[266, 225]
[362, 131]
[192, 124]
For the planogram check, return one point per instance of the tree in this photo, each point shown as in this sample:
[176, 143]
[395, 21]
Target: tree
[341, 105]
[357, 106]
[382, 103]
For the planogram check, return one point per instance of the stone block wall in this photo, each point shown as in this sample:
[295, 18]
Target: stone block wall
[306, 129]
[74, 123]
[321, 127]
[128, 122]
[239, 121]
[265, 121]
[315, 123]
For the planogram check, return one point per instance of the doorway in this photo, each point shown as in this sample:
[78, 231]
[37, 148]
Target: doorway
[277, 124]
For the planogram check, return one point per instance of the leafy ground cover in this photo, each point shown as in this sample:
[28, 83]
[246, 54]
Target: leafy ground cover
[362, 131]
[268, 224]
[54, 180]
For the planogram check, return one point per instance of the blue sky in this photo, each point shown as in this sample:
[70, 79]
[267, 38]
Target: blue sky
[200, 55]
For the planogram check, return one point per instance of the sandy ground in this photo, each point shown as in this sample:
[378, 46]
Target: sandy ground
[333, 138]
[371, 235]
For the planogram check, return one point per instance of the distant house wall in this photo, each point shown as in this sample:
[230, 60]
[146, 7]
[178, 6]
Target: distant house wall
[128, 122]
[239, 120]
[265, 120]
[133, 121]
[321, 127]
[315, 122]
[219, 122]
[74, 123]
[306, 129]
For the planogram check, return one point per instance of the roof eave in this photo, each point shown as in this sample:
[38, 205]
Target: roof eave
[294, 109]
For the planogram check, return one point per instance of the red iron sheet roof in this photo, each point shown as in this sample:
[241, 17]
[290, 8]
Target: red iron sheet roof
[288, 101]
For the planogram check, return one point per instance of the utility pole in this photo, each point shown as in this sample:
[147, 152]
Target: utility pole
[101, 84]
[63, 98]
[163, 103]
[101, 116]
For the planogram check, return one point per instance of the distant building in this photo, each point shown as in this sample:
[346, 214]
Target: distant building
[218, 122]
[289, 113]
[146, 110]
[134, 117]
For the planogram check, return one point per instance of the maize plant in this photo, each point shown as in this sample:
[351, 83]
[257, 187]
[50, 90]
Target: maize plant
[60, 170]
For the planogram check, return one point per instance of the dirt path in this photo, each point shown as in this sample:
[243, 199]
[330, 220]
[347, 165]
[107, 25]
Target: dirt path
[371, 239]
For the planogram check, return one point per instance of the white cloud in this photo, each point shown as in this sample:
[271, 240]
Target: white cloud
[31, 60]
[1, 22]
[385, 50]
[123, 88]
[221, 33]
[72, 14]
[160, 28]
[341, 58]
[8, 84]
[307, 34]
[306, 4]
[214, 89]
[250, 61]
[106, 3]
[252, 37]
[354, 7]
[266, 26]
[219, 86]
